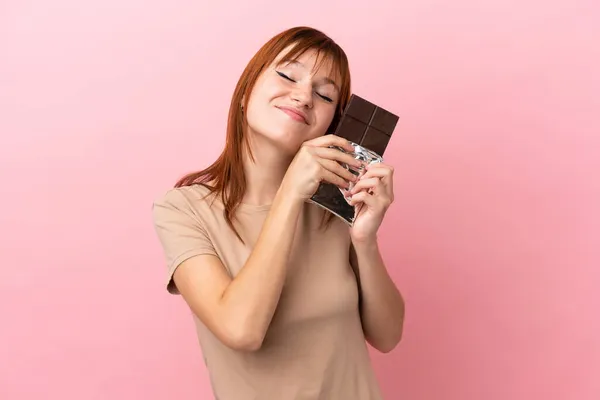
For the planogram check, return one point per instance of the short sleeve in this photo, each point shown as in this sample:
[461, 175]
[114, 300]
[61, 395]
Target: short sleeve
[180, 231]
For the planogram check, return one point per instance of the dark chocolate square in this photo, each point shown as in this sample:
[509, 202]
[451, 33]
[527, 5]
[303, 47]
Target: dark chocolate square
[360, 109]
[367, 125]
[375, 140]
[384, 121]
[352, 129]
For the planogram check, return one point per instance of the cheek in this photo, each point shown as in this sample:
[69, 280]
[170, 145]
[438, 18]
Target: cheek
[325, 117]
[271, 86]
[263, 94]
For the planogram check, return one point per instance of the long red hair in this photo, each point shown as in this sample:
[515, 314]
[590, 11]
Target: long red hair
[225, 177]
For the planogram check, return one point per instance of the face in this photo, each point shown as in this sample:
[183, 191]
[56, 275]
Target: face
[292, 102]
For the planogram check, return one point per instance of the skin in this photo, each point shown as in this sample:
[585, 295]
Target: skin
[292, 157]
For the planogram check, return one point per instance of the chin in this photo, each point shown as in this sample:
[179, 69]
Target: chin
[286, 144]
[284, 139]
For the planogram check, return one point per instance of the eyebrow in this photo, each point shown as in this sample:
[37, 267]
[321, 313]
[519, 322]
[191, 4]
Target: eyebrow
[325, 79]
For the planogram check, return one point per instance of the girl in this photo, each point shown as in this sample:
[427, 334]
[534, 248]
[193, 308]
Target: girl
[284, 295]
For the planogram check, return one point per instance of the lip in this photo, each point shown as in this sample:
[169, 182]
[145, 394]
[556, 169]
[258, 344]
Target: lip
[295, 114]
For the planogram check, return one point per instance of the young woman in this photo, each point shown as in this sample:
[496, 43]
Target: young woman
[283, 294]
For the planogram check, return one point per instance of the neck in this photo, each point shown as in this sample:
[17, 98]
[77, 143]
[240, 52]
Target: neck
[264, 174]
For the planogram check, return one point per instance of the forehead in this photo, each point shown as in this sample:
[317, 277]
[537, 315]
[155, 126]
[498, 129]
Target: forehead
[318, 63]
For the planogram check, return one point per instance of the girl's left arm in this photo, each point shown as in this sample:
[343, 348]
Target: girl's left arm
[381, 303]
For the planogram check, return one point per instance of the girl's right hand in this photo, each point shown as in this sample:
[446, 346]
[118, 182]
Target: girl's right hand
[317, 162]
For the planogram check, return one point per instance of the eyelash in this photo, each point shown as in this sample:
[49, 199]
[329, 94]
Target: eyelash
[284, 76]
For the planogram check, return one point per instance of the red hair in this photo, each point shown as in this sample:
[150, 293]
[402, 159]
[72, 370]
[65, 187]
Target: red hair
[225, 177]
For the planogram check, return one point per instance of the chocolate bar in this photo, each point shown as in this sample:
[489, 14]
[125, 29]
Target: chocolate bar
[367, 125]
[369, 129]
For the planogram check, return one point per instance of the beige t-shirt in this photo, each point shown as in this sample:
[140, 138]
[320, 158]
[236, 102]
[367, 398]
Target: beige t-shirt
[315, 347]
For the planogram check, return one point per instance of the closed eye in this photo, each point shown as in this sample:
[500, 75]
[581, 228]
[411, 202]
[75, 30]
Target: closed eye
[327, 99]
[284, 76]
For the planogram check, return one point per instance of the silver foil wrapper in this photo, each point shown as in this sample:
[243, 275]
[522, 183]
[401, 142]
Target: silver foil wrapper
[333, 199]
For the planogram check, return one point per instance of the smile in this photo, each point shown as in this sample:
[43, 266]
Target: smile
[294, 114]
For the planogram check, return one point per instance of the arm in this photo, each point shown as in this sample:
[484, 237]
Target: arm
[382, 305]
[238, 311]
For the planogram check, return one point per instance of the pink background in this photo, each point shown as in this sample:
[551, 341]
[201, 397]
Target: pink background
[493, 238]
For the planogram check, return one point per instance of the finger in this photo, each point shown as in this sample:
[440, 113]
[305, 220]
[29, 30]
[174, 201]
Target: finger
[379, 185]
[380, 165]
[331, 140]
[333, 178]
[365, 184]
[336, 168]
[372, 201]
[363, 197]
[384, 175]
[335, 154]
[379, 170]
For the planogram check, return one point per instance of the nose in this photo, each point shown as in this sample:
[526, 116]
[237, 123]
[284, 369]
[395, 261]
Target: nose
[302, 96]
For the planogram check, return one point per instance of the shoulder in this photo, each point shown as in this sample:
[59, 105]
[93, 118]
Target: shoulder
[183, 196]
[189, 200]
